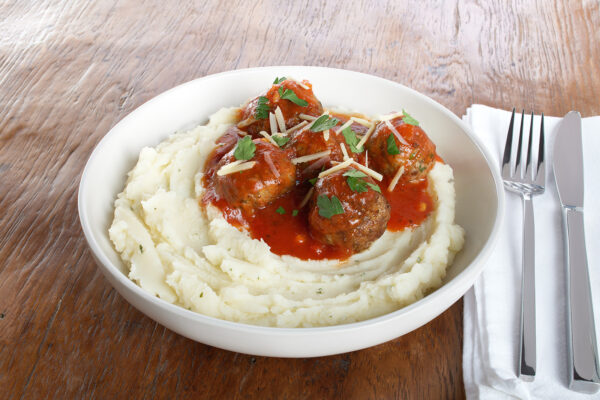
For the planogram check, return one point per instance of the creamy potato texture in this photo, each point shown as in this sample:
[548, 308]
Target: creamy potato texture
[192, 257]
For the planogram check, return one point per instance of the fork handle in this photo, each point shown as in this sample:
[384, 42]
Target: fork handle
[527, 355]
[582, 347]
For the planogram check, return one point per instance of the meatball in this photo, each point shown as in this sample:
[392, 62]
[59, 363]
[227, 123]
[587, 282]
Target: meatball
[364, 218]
[253, 121]
[272, 176]
[417, 155]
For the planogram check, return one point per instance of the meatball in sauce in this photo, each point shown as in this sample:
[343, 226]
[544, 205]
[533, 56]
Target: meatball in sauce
[302, 202]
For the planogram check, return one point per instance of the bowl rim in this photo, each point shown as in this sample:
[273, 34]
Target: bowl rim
[469, 274]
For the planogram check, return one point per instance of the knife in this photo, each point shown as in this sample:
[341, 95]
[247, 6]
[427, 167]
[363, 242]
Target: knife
[581, 332]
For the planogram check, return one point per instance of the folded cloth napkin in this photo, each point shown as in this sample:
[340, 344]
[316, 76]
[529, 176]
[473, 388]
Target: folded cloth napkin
[492, 307]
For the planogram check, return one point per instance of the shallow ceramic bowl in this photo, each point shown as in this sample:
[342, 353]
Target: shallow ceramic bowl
[479, 202]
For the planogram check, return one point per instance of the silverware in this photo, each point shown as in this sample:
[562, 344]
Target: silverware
[527, 182]
[568, 170]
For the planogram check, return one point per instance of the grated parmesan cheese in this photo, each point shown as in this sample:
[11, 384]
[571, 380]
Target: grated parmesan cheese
[361, 121]
[336, 168]
[326, 134]
[364, 139]
[272, 123]
[344, 151]
[307, 197]
[235, 166]
[310, 157]
[374, 174]
[396, 178]
[296, 127]
[306, 117]
[280, 119]
[247, 122]
[269, 138]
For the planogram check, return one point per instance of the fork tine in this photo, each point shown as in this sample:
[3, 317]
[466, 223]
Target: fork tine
[541, 164]
[506, 165]
[518, 165]
[529, 173]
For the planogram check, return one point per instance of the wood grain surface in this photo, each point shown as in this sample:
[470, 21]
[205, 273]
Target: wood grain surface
[69, 71]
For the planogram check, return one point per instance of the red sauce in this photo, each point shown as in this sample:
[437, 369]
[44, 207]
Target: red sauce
[287, 234]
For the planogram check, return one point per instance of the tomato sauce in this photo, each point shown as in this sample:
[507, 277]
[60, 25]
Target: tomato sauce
[288, 234]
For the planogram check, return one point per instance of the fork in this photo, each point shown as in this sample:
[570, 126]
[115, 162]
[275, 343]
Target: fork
[528, 183]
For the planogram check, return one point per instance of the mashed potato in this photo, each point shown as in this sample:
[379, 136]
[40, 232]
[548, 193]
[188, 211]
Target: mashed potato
[193, 258]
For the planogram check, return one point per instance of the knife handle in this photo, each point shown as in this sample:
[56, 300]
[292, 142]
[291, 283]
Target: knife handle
[582, 345]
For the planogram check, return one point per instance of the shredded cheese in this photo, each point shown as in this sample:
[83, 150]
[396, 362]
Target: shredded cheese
[344, 151]
[396, 133]
[367, 158]
[269, 138]
[390, 116]
[361, 121]
[247, 122]
[364, 139]
[296, 127]
[347, 124]
[326, 134]
[235, 166]
[273, 123]
[307, 197]
[336, 168]
[310, 157]
[373, 174]
[306, 117]
[271, 165]
[396, 178]
[280, 119]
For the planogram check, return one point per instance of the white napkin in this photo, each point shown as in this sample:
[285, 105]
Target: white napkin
[492, 306]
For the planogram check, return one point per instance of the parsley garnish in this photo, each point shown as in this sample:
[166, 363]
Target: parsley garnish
[245, 148]
[280, 140]
[313, 180]
[279, 80]
[262, 109]
[141, 249]
[323, 123]
[280, 210]
[392, 148]
[355, 180]
[408, 119]
[294, 213]
[352, 140]
[291, 96]
[329, 207]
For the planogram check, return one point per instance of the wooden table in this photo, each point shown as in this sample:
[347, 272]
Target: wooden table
[70, 71]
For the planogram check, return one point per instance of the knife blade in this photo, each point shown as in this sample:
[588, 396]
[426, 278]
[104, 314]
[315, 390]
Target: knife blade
[582, 349]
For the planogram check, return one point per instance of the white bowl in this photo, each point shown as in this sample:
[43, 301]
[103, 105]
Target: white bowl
[480, 203]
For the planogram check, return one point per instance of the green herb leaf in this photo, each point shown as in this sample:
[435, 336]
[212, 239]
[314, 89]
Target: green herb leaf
[294, 213]
[323, 123]
[279, 80]
[329, 207]
[280, 140]
[280, 210]
[352, 140]
[262, 109]
[357, 184]
[374, 187]
[313, 180]
[392, 148]
[354, 173]
[244, 150]
[141, 249]
[408, 119]
[291, 96]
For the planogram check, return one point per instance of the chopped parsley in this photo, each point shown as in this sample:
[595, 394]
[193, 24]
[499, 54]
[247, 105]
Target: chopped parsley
[294, 213]
[262, 109]
[329, 207]
[320, 291]
[355, 180]
[392, 148]
[280, 140]
[313, 180]
[244, 150]
[408, 119]
[279, 80]
[323, 123]
[291, 96]
[280, 210]
[141, 249]
[352, 140]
